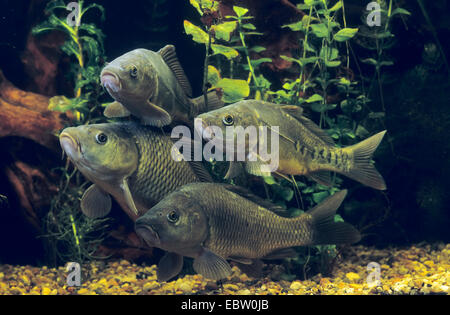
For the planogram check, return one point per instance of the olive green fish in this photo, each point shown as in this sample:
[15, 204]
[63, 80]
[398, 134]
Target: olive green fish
[153, 87]
[131, 162]
[304, 148]
[215, 222]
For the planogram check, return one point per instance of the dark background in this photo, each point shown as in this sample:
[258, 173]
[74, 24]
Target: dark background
[414, 158]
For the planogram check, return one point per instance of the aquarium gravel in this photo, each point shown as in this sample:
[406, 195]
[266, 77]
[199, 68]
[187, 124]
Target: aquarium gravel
[420, 269]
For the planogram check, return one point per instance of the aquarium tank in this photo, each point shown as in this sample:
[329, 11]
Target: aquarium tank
[224, 147]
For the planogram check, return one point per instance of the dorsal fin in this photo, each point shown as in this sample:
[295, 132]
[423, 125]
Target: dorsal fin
[296, 112]
[170, 58]
[200, 171]
[256, 199]
[293, 110]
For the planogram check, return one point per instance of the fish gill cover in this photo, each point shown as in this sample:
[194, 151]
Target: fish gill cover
[318, 55]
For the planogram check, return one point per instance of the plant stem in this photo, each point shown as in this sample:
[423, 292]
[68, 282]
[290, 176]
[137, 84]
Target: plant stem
[205, 70]
[250, 67]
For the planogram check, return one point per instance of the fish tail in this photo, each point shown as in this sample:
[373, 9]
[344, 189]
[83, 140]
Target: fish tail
[324, 229]
[214, 102]
[362, 169]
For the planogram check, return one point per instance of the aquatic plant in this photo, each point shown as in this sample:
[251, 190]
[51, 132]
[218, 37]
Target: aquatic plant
[325, 86]
[84, 45]
[69, 235]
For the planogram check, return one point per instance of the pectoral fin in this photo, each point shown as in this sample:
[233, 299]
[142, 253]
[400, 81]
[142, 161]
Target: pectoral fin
[211, 266]
[169, 266]
[128, 197]
[95, 203]
[116, 110]
[154, 115]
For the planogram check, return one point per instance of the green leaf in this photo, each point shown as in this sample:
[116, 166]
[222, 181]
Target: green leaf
[320, 196]
[233, 90]
[344, 81]
[258, 49]
[213, 75]
[310, 3]
[314, 98]
[320, 30]
[305, 61]
[321, 107]
[198, 35]
[287, 194]
[249, 26]
[240, 11]
[257, 62]
[290, 85]
[228, 52]
[196, 5]
[269, 180]
[287, 58]
[297, 26]
[370, 61]
[332, 64]
[345, 34]
[336, 7]
[64, 104]
[328, 53]
[224, 30]
[253, 33]
[400, 11]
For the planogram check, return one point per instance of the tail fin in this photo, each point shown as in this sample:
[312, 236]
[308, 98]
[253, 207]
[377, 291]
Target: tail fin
[363, 171]
[325, 230]
[214, 102]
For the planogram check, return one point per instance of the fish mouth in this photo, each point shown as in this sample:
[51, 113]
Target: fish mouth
[111, 81]
[70, 145]
[148, 234]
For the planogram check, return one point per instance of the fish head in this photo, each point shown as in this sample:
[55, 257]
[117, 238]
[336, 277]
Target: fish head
[229, 124]
[100, 151]
[130, 77]
[177, 223]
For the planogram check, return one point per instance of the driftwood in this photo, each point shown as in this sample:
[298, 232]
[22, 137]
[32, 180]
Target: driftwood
[30, 150]
[26, 114]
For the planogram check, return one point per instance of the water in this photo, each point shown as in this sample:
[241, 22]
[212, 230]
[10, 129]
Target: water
[41, 224]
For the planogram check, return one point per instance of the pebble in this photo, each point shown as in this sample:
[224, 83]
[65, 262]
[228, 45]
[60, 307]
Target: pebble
[420, 269]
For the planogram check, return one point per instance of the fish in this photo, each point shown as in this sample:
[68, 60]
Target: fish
[128, 161]
[304, 148]
[229, 223]
[153, 87]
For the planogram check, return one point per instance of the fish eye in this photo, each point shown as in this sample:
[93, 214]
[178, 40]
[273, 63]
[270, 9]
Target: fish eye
[101, 138]
[228, 120]
[133, 72]
[173, 216]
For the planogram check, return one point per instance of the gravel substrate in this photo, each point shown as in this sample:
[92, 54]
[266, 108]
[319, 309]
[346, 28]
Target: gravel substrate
[421, 269]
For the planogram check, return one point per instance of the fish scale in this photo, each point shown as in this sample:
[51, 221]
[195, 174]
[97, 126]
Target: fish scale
[255, 231]
[155, 175]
